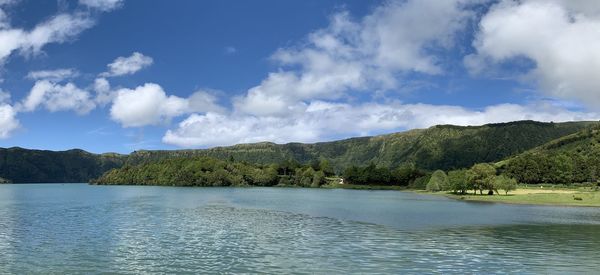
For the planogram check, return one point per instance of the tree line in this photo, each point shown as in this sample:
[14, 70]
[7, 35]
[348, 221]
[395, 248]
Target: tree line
[480, 177]
[206, 171]
[555, 167]
[404, 175]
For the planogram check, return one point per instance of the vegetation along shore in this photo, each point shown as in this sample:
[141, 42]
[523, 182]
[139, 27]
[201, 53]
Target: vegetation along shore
[493, 163]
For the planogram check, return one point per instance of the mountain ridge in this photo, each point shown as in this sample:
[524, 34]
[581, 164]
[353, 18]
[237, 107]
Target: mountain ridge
[438, 147]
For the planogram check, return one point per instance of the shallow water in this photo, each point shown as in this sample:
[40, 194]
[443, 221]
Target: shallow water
[76, 228]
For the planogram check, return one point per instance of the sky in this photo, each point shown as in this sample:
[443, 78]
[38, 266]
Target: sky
[125, 75]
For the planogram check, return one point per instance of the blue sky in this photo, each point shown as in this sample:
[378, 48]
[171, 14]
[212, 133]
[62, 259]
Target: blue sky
[122, 75]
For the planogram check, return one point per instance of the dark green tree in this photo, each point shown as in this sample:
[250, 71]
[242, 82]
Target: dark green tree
[481, 177]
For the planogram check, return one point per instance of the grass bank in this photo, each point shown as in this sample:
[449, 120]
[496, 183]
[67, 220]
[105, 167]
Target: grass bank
[536, 196]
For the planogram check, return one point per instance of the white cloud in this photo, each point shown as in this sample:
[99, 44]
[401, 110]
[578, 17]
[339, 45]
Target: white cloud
[60, 28]
[561, 37]
[128, 65]
[8, 121]
[104, 94]
[150, 105]
[53, 75]
[145, 105]
[204, 101]
[348, 55]
[103, 5]
[55, 97]
[307, 98]
[326, 121]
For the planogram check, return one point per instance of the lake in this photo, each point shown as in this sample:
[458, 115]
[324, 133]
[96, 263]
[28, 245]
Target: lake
[77, 228]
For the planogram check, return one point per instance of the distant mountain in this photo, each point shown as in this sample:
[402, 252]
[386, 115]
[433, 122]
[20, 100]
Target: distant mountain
[440, 147]
[39, 166]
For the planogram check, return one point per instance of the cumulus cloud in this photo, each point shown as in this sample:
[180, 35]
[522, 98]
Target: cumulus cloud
[204, 101]
[351, 55]
[8, 120]
[53, 75]
[327, 121]
[128, 65]
[60, 28]
[55, 97]
[307, 98]
[103, 5]
[295, 103]
[561, 37]
[104, 93]
[149, 105]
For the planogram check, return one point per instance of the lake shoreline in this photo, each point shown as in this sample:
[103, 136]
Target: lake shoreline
[522, 199]
[561, 197]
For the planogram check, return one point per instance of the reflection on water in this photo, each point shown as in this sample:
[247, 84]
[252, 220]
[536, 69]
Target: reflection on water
[87, 229]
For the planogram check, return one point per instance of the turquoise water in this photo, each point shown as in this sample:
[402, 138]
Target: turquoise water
[76, 228]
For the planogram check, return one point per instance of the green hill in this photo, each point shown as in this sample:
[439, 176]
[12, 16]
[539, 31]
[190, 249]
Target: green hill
[574, 158]
[39, 166]
[440, 147]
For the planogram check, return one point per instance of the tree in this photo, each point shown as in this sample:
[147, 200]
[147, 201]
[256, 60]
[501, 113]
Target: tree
[420, 182]
[481, 177]
[438, 181]
[458, 181]
[288, 166]
[368, 175]
[318, 179]
[325, 166]
[505, 183]
[433, 186]
[353, 175]
[406, 174]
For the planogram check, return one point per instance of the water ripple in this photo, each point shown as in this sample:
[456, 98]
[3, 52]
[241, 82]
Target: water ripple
[139, 234]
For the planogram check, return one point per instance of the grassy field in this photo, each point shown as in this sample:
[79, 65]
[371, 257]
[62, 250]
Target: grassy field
[533, 194]
[539, 196]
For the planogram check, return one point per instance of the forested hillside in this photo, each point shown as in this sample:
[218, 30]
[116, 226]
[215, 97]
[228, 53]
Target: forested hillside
[571, 159]
[207, 171]
[38, 166]
[440, 147]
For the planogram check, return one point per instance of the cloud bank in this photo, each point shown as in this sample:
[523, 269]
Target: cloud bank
[306, 98]
[328, 121]
[561, 38]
